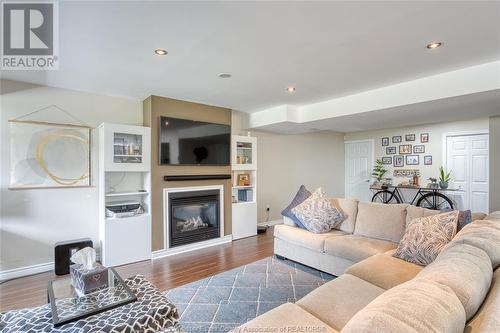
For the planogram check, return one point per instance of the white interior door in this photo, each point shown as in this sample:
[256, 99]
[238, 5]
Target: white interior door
[358, 169]
[467, 157]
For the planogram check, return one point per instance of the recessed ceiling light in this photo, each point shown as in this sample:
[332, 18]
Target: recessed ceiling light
[290, 89]
[161, 52]
[224, 75]
[434, 45]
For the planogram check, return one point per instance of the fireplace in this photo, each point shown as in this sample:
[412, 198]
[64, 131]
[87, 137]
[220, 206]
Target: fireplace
[193, 216]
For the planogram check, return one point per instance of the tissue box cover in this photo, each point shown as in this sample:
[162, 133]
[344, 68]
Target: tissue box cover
[86, 280]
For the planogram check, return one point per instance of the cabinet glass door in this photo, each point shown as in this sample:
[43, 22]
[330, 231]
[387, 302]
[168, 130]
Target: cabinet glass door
[127, 148]
[243, 153]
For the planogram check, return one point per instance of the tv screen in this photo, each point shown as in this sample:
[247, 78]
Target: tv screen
[191, 142]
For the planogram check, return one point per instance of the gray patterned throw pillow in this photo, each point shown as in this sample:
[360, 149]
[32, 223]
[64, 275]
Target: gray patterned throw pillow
[317, 213]
[425, 237]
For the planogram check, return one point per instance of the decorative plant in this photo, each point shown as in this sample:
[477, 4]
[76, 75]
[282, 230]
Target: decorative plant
[379, 171]
[443, 176]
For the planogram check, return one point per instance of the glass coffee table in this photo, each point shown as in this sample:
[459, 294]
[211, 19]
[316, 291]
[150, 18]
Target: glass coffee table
[67, 306]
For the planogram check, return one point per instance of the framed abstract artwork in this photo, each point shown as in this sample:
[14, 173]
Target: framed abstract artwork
[399, 161]
[404, 149]
[412, 160]
[49, 155]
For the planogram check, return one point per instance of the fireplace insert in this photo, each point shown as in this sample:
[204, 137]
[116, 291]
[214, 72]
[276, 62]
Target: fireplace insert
[193, 216]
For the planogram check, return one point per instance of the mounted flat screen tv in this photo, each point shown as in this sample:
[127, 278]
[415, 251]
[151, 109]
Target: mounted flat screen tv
[188, 142]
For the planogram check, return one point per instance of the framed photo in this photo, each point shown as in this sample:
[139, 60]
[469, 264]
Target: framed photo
[424, 137]
[427, 160]
[387, 160]
[385, 142]
[412, 159]
[418, 149]
[410, 137]
[399, 161]
[404, 149]
[397, 139]
[390, 151]
[243, 179]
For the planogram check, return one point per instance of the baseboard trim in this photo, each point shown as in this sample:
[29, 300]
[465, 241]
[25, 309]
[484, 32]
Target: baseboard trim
[270, 223]
[191, 247]
[25, 271]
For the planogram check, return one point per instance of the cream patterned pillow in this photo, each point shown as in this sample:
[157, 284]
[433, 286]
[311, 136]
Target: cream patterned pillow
[317, 213]
[425, 237]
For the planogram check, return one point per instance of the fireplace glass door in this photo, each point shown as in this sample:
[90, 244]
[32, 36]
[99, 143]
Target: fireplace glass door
[194, 216]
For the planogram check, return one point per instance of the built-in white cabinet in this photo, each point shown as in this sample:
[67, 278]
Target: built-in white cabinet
[124, 177]
[244, 186]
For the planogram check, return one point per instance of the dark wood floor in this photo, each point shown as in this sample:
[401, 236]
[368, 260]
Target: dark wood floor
[165, 273]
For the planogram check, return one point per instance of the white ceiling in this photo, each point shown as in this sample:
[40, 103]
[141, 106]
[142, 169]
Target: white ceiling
[325, 49]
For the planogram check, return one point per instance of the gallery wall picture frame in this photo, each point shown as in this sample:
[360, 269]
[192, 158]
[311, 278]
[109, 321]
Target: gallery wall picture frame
[412, 159]
[418, 149]
[390, 151]
[385, 141]
[410, 137]
[387, 160]
[428, 160]
[397, 139]
[399, 161]
[424, 138]
[405, 149]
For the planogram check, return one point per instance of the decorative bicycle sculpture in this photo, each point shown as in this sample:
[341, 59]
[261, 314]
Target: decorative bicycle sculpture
[426, 197]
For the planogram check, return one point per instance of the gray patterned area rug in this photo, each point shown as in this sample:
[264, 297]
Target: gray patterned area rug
[224, 301]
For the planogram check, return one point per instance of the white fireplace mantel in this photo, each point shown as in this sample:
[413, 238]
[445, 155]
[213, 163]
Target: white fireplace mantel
[167, 251]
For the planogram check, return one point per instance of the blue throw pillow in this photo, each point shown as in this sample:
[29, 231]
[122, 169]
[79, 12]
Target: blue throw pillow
[301, 196]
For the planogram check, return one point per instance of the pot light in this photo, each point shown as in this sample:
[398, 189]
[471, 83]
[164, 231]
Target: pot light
[434, 45]
[224, 75]
[290, 89]
[161, 52]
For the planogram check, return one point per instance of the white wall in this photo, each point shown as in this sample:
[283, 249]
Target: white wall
[494, 163]
[31, 221]
[434, 147]
[287, 161]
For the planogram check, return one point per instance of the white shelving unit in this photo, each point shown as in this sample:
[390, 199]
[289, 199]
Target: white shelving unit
[244, 207]
[124, 175]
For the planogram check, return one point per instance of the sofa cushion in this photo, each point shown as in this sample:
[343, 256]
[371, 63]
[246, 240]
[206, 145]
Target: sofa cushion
[349, 208]
[495, 216]
[484, 234]
[286, 318]
[417, 306]
[487, 319]
[301, 195]
[337, 301]
[356, 248]
[381, 221]
[413, 212]
[384, 270]
[478, 216]
[317, 213]
[304, 238]
[466, 270]
[425, 237]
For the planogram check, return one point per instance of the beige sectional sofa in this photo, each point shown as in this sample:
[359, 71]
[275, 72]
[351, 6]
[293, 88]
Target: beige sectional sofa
[376, 292]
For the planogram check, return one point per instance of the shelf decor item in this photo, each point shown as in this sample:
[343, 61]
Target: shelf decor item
[244, 179]
[444, 178]
[49, 154]
[379, 171]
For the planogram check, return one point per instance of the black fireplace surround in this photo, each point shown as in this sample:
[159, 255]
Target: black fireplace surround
[193, 216]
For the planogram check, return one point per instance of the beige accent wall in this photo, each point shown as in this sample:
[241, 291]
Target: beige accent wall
[287, 161]
[434, 147]
[494, 164]
[156, 106]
